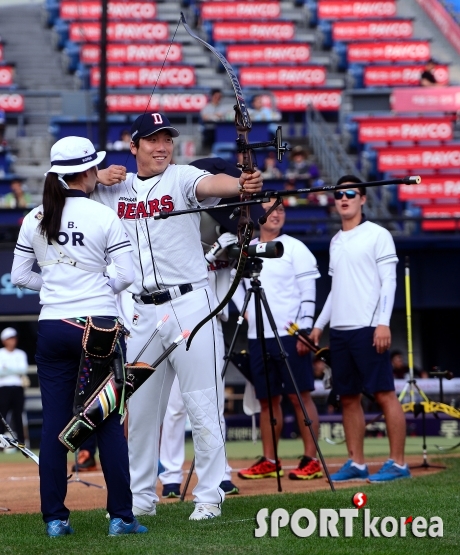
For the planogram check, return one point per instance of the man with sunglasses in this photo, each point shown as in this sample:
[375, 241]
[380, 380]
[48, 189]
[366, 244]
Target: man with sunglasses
[358, 309]
[289, 284]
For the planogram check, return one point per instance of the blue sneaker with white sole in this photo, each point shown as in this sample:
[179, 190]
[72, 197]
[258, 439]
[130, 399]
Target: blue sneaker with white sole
[388, 472]
[350, 473]
[57, 528]
[118, 527]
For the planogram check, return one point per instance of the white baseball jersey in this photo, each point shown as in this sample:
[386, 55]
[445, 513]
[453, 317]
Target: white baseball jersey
[90, 234]
[13, 364]
[355, 256]
[287, 284]
[165, 249]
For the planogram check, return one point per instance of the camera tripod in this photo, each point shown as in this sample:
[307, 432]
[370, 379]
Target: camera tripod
[253, 269]
[77, 478]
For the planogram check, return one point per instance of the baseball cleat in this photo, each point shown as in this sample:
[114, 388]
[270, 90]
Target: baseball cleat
[171, 490]
[145, 512]
[57, 528]
[229, 487]
[118, 527]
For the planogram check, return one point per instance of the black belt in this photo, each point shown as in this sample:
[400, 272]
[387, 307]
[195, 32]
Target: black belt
[161, 297]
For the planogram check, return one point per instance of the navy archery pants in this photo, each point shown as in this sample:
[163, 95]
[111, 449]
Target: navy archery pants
[59, 347]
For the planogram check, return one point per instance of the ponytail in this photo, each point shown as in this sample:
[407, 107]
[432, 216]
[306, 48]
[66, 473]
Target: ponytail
[53, 205]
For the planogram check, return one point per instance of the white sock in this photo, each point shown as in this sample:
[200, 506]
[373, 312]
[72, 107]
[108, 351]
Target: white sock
[271, 460]
[360, 466]
[402, 467]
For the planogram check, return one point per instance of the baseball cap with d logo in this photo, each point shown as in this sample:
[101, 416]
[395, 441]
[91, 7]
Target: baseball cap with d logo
[73, 155]
[147, 124]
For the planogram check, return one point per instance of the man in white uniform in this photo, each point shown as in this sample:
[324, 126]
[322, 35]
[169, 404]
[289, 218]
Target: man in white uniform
[13, 365]
[358, 309]
[171, 278]
[290, 289]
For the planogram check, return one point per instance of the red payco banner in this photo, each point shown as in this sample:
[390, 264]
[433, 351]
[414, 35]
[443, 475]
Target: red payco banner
[336, 9]
[6, 76]
[367, 30]
[432, 187]
[449, 28]
[421, 157]
[298, 101]
[173, 76]
[240, 10]
[12, 102]
[444, 212]
[396, 76]
[416, 50]
[267, 32]
[404, 129]
[128, 32]
[267, 53]
[116, 10]
[313, 76]
[435, 99]
[132, 53]
[168, 102]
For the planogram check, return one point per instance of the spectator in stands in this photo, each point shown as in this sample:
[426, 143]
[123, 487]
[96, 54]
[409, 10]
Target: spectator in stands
[401, 369]
[13, 367]
[215, 110]
[2, 129]
[260, 111]
[294, 199]
[289, 283]
[124, 141]
[427, 78]
[300, 166]
[18, 198]
[270, 169]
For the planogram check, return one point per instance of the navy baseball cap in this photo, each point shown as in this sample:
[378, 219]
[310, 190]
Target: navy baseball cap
[147, 124]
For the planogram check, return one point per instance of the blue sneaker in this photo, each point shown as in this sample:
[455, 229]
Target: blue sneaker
[118, 527]
[57, 528]
[388, 472]
[229, 487]
[350, 473]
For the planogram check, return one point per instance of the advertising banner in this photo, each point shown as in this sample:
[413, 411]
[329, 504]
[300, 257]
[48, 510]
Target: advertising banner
[116, 10]
[313, 76]
[395, 51]
[432, 187]
[349, 9]
[265, 32]
[297, 101]
[168, 102]
[404, 75]
[124, 32]
[132, 53]
[267, 53]
[6, 76]
[421, 99]
[346, 31]
[144, 76]
[420, 157]
[405, 129]
[12, 102]
[240, 10]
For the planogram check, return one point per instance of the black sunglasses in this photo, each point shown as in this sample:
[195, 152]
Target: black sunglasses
[349, 194]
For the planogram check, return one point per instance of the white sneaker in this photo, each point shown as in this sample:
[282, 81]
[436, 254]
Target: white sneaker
[143, 512]
[204, 511]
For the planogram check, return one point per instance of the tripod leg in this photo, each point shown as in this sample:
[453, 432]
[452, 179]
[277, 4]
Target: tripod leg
[307, 420]
[261, 338]
[227, 361]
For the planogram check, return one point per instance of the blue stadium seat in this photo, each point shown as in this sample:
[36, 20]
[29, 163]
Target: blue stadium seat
[61, 31]
[340, 49]
[225, 150]
[357, 73]
[325, 27]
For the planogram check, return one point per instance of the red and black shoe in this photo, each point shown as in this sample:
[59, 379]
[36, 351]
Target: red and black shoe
[261, 469]
[85, 462]
[308, 469]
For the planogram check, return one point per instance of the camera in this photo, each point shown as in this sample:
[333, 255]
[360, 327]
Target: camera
[270, 249]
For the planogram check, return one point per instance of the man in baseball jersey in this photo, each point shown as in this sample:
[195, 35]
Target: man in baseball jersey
[290, 289]
[171, 278]
[358, 309]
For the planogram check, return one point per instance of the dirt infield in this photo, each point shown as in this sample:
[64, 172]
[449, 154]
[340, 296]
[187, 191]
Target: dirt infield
[19, 484]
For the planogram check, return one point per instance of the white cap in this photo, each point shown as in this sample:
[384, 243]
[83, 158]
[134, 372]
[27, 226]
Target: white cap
[7, 333]
[73, 155]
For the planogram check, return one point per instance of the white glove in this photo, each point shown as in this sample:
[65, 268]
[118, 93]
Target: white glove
[224, 241]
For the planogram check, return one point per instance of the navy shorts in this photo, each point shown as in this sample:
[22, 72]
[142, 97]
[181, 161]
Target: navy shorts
[356, 365]
[279, 377]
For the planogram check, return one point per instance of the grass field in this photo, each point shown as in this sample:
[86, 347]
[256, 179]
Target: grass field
[171, 533]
